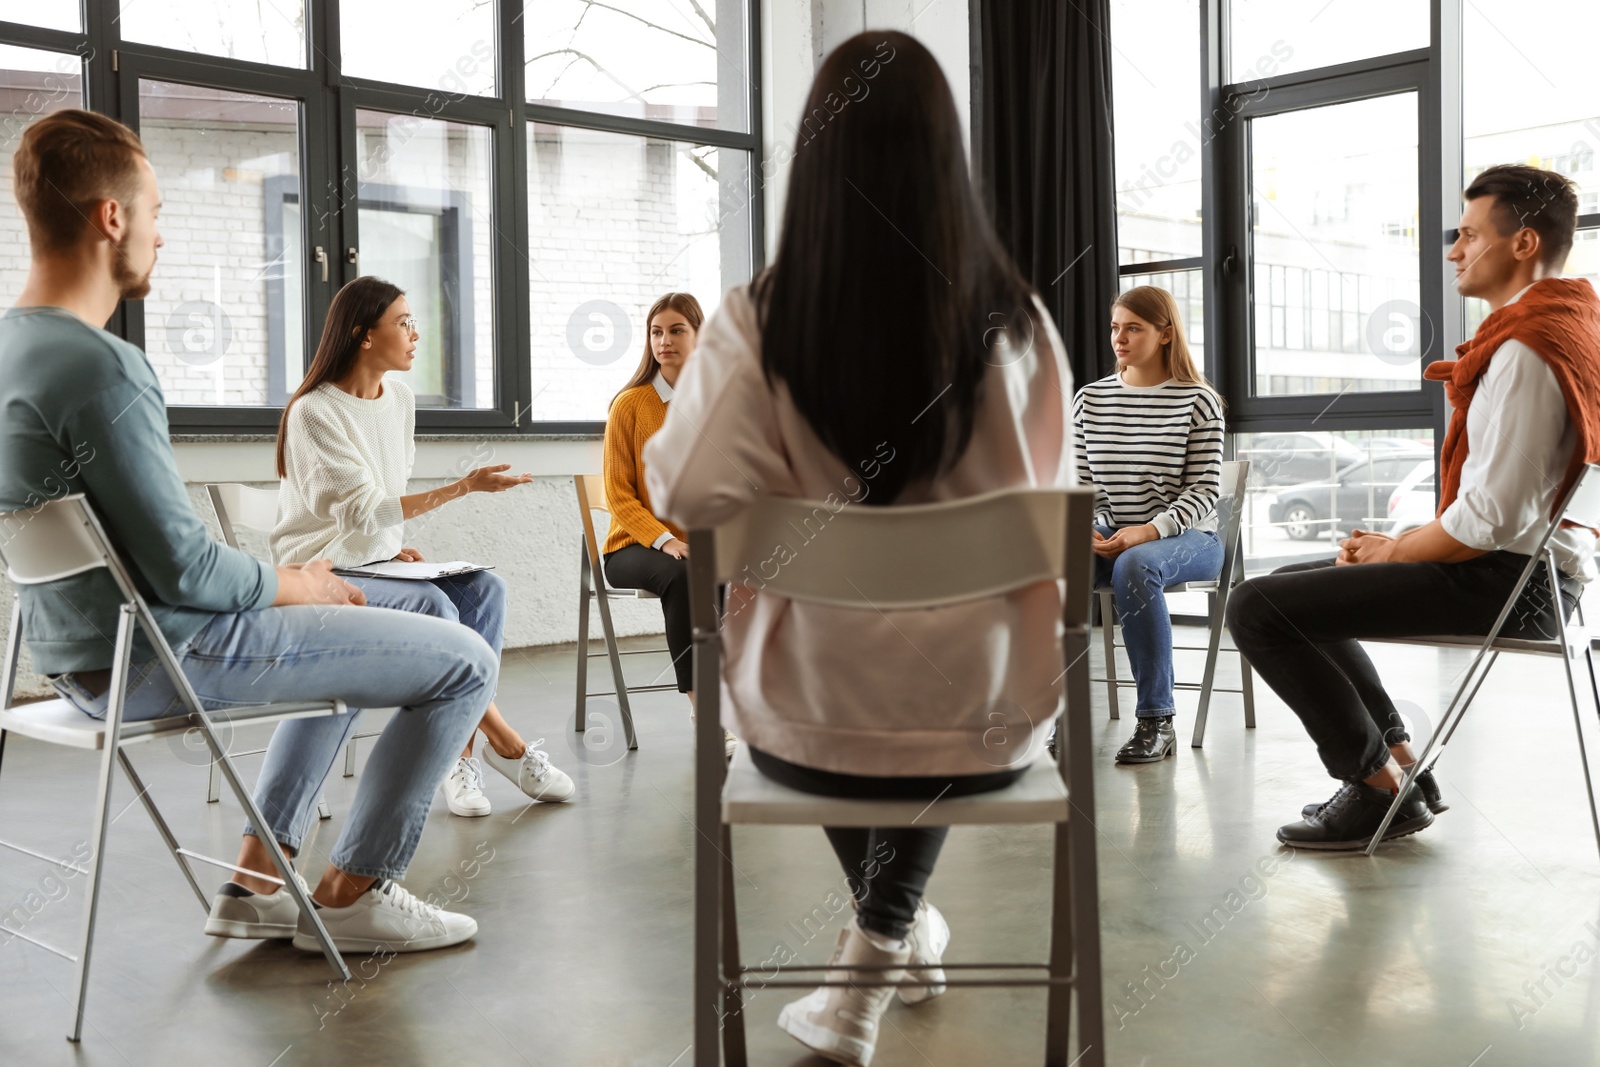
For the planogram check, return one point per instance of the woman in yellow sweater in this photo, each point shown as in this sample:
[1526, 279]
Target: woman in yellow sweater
[642, 552]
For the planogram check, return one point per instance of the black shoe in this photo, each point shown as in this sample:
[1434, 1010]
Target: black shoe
[1425, 784]
[1153, 740]
[1351, 817]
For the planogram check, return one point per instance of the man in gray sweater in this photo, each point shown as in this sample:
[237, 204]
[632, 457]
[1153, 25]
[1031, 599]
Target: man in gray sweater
[81, 411]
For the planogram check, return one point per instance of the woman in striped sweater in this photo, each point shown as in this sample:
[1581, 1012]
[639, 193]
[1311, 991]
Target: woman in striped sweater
[642, 551]
[1149, 438]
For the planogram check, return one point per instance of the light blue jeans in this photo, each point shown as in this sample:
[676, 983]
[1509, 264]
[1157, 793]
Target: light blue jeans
[1137, 578]
[477, 600]
[439, 674]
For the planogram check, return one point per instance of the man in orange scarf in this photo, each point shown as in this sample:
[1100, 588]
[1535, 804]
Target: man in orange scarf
[1526, 393]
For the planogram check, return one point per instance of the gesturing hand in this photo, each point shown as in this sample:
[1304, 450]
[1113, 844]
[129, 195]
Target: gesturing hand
[408, 555]
[492, 479]
[676, 549]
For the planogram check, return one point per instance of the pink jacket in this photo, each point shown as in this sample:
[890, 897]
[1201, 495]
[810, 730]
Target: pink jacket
[968, 689]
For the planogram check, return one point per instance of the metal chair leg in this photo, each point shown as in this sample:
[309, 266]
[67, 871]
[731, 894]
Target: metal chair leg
[733, 1045]
[616, 663]
[1213, 647]
[1247, 685]
[323, 811]
[1076, 839]
[581, 712]
[165, 831]
[1108, 632]
[350, 757]
[213, 784]
[1059, 998]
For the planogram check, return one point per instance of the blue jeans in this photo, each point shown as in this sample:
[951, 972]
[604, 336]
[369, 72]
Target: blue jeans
[477, 601]
[1137, 578]
[439, 674]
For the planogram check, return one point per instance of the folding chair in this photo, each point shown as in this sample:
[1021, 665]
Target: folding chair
[1230, 504]
[890, 559]
[1581, 507]
[62, 539]
[592, 586]
[239, 507]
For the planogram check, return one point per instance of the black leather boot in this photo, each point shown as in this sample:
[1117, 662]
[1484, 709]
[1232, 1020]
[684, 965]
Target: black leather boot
[1350, 818]
[1153, 740]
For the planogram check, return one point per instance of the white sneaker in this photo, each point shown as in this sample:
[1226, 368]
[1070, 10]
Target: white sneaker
[387, 917]
[237, 912]
[463, 790]
[929, 937]
[533, 773]
[840, 1023]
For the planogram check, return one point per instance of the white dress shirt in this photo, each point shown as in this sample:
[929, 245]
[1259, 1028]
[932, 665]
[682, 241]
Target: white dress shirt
[1521, 439]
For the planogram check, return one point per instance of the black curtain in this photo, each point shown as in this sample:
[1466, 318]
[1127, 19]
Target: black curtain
[1042, 137]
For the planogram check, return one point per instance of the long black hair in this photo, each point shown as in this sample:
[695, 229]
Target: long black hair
[889, 284]
[356, 309]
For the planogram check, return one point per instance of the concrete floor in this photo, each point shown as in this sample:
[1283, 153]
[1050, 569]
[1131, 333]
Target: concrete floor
[1433, 953]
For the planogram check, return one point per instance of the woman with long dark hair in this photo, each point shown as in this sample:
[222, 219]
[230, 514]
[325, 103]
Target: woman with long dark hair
[891, 355]
[345, 450]
[642, 551]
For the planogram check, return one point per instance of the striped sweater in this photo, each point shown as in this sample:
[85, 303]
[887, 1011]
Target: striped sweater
[1153, 454]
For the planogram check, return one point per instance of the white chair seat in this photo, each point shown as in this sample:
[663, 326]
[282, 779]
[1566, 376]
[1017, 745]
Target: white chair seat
[59, 722]
[750, 797]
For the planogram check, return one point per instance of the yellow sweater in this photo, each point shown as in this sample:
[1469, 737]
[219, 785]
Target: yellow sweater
[635, 417]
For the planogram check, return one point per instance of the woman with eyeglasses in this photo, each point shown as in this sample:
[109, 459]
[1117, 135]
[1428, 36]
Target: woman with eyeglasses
[345, 451]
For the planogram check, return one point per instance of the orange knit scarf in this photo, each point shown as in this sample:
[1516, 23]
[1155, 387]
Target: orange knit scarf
[1559, 319]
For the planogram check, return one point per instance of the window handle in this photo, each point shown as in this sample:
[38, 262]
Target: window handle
[352, 256]
[321, 256]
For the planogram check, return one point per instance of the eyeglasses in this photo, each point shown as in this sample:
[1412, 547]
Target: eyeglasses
[408, 324]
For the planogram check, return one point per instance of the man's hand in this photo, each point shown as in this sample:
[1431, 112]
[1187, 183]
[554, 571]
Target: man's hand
[676, 549]
[493, 479]
[408, 555]
[1364, 547]
[315, 583]
[1124, 539]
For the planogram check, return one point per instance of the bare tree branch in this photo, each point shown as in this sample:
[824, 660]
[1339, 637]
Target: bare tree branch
[703, 165]
[653, 25]
[705, 18]
[593, 62]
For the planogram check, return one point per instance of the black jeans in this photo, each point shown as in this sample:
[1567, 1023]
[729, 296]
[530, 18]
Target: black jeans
[1300, 625]
[639, 567]
[887, 866]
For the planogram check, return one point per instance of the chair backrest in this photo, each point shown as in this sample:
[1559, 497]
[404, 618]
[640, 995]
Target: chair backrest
[915, 556]
[1583, 500]
[239, 507]
[55, 541]
[591, 490]
[1235, 473]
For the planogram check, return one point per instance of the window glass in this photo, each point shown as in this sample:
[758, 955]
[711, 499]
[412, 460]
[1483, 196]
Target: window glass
[1552, 120]
[261, 31]
[679, 61]
[224, 316]
[615, 222]
[1335, 281]
[446, 45]
[1155, 74]
[1308, 490]
[1283, 36]
[427, 225]
[51, 14]
[32, 83]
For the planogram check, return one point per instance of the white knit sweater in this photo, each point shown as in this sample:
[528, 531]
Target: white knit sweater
[348, 460]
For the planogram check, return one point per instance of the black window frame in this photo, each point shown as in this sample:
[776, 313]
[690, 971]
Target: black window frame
[113, 67]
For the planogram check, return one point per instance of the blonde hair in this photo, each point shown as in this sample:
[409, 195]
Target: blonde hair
[1159, 309]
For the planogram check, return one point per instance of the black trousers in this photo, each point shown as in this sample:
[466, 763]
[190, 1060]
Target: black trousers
[888, 867]
[1300, 625]
[639, 567]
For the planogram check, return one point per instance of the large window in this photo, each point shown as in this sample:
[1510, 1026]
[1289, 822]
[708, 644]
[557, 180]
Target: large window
[532, 174]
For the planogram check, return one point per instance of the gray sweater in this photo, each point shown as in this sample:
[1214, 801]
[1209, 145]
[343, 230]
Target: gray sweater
[81, 412]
